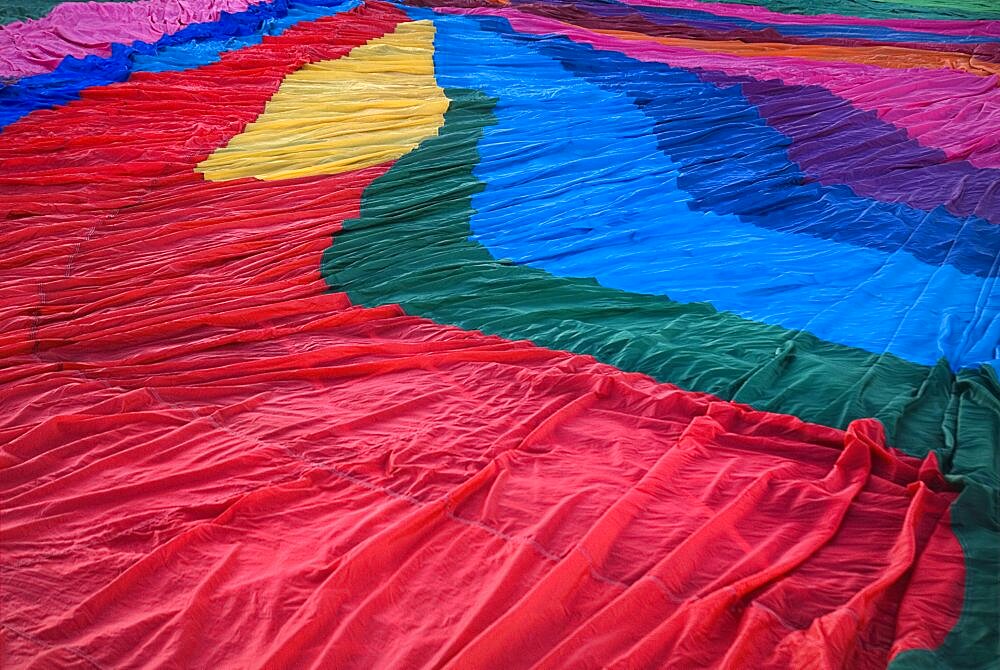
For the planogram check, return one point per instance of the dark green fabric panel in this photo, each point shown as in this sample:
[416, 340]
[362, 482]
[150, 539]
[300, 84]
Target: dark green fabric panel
[20, 10]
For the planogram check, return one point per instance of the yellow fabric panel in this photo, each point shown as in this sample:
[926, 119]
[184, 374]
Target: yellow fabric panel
[372, 106]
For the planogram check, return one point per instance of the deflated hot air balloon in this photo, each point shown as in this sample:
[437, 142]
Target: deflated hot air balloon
[499, 333]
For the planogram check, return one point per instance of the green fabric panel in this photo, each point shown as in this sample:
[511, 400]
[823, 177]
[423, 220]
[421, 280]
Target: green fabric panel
[21, 10]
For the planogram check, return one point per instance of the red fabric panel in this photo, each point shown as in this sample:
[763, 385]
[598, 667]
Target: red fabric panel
[328, 481]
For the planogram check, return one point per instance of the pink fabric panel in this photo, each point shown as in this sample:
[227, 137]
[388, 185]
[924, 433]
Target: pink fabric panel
[83, 28]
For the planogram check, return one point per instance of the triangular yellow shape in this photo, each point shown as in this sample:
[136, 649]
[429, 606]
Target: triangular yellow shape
[372, 106]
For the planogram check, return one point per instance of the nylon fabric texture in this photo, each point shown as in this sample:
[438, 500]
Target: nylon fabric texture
[378, 103]
[481, 334]
[79, 29]
[20, 10]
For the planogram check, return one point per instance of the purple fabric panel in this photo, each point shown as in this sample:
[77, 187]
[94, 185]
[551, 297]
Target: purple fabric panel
[837, 143]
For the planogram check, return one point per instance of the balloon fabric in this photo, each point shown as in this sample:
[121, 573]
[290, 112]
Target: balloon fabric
[500, 334]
